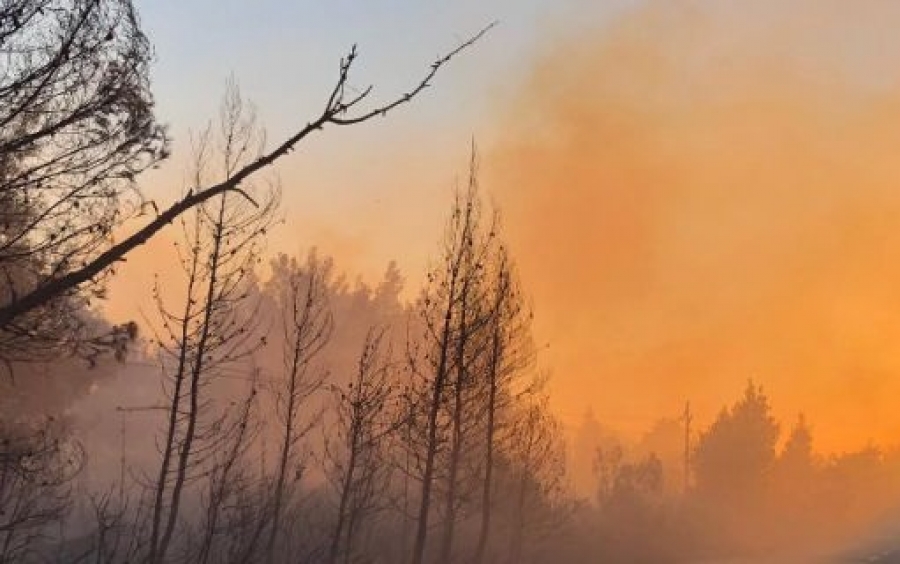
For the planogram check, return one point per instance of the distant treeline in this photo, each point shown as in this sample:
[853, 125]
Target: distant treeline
[738, 488]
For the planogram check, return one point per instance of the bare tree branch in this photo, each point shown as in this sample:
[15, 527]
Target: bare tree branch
[335, 112]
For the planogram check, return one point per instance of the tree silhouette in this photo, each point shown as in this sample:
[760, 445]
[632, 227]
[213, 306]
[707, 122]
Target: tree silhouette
[734, 463]
[307, 323]
[212, 329]
[734, 457]
[78, 128]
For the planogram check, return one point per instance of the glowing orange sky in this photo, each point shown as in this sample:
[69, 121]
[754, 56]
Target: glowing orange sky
[707, 192]
[697, 192]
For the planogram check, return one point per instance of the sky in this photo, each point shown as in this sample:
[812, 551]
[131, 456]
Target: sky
[284, 56]
[371, 193]
[698, 192]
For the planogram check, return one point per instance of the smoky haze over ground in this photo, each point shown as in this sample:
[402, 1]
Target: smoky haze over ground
[693, 245]
[704, 192]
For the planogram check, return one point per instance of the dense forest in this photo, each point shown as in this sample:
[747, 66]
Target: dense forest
[276, 409]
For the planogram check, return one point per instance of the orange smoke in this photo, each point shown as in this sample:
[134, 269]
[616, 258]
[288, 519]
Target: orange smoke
[705, 192]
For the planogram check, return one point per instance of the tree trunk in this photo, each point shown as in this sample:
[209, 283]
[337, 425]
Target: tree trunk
[345, 497]
[485, 528]
[285, 454]
[418, 554]
[196, 373]
[456, 446]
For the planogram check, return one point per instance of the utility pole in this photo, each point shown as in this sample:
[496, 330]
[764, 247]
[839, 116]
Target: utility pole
[688, 417]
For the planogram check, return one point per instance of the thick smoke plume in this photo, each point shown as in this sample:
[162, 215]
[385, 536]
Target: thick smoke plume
[706, 192]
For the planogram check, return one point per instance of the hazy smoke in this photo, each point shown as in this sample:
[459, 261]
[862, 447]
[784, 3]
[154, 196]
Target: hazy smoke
[703, 192]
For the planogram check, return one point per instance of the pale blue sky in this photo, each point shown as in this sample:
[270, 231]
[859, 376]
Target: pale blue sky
[349, 190]
[285, 52]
